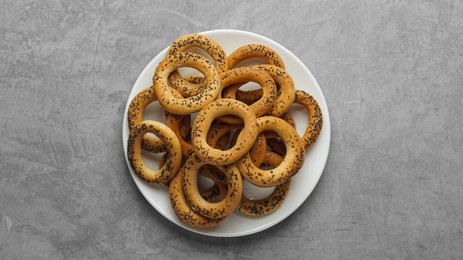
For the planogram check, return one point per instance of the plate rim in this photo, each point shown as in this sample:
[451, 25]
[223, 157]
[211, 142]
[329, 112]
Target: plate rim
[326, 125]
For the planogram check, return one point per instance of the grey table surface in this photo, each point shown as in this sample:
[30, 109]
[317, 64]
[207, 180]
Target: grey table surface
[392, 75]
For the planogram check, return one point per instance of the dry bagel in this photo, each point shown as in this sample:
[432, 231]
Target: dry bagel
[262, 78]
[207, 209]
[273, 201]
[255, 51]
[181, 207]
[185, 106]
[185, 86]
[292, 161]
[203, 122]
[315, 117]
[173, 148]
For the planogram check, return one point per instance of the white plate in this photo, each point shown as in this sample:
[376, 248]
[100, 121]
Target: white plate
[303, 183]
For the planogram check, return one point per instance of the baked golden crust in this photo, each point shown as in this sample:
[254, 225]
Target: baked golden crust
[135, 116]
[211, 210]
[173, 148]
[233, 134]
[185, 106]
[291, 163]
[181, 207]
[193, 86]
[315, 117]
[273, 201]
[266, 82]
[203, 123]
[255, 51]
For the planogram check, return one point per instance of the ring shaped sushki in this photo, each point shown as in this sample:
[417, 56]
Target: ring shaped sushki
[212, 210]
[273, 201]
[135, 116]
[185, 106]
[193, 87]
[173, 149]
[244, 74]
[181, 207]
[283, 82]
[255, 51]
[292, 161]
[202, 124]
[315, 117]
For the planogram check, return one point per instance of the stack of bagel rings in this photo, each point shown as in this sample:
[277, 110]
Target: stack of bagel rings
[237, 135]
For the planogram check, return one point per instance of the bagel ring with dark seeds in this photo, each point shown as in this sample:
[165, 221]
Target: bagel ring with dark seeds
[258, 150]
[292, 161]
[284, 83]
[181, 207]
[135, 116]
[211, 194]
[186, 87]
[185, 106]
[175, 123]
[202, 124]
[286, 86]
[315, 117]
[212, 210]
[219, 130]
[255, 51]
[273, 201]
[245, 74]
[288, 117]
[173, 148]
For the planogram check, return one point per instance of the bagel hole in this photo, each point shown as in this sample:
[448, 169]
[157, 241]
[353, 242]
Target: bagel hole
[201, 52]
[188, 71]
[251, 62]
[203, 181]
[255, 193]
[249, 86]
[152, 160]
[230, 134]
[193, 117]
[246, 90]
[154, 111]
[301, 117]
[275, 144]
[206, 183]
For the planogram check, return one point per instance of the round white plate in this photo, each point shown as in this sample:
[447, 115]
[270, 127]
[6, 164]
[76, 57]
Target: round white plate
[303, 183]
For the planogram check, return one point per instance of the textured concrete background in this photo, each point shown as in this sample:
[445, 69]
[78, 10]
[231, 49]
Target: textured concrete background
[392, 75]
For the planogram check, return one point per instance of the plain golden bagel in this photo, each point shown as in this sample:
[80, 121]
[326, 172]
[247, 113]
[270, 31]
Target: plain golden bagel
[315, 117]
[255, 51]
[202, 124]
[292, 161]
[185, 106]
[185, 86]
[262, 78]
[181, 207]
[274, 200]
[173, 148]
[211, 210]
